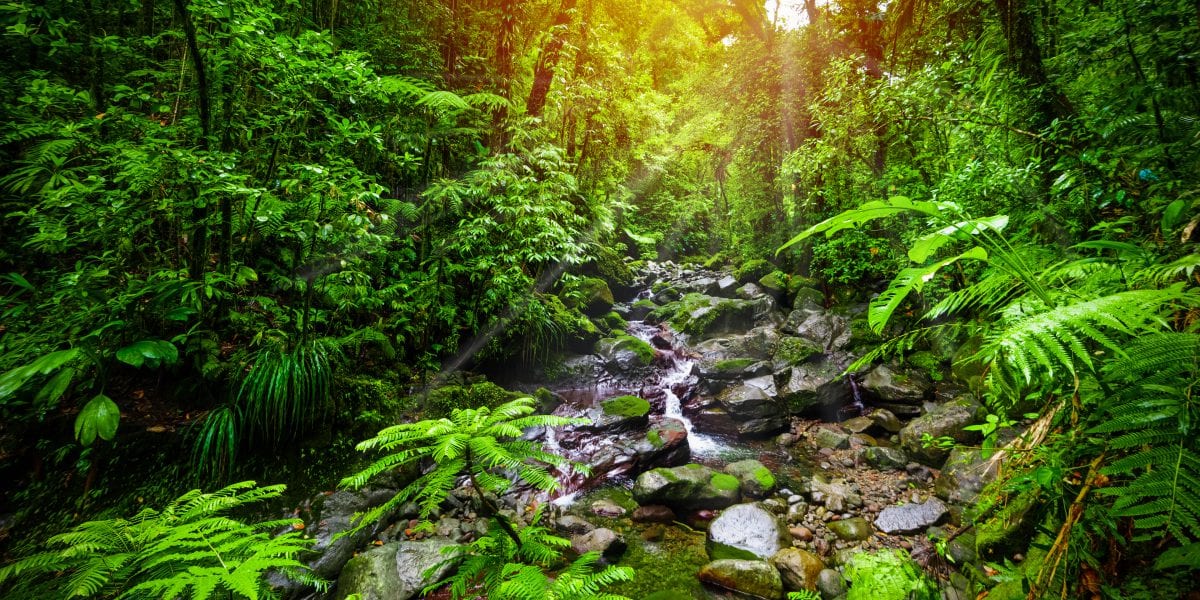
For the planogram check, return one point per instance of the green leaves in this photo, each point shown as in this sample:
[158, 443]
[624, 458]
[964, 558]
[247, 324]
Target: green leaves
[99, 417]
[150, 353]
[910, 280]
[867, 212]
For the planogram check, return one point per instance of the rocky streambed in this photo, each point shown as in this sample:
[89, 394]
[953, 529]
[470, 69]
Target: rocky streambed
[728, 458]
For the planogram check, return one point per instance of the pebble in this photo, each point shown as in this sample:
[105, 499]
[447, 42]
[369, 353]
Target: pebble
[794, 498]
[803, 534]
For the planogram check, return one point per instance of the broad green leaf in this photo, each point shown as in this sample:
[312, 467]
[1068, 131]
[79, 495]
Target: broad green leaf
[13, 379]
[641, 239]
[869, 211]
[1170, 217]
[180, 313]
[926, 246]
[99, 417]
[48, 396]
[912, 279]
[151, 353]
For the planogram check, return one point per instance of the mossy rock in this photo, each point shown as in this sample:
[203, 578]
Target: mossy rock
[613, 269]
[611, 323]
[733, 365]
[726, 316]
[371, 402]
[888, 575]
[791, 351]
[625, 352]
[724, 482]
[716, 261]
[775, 283]
[591, 295]
[861, 334]
[626, 406]
[756, 479]
[1006, 529]
[806, 297]
[753, 270]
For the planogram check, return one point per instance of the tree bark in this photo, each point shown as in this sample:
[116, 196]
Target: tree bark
[543, 73]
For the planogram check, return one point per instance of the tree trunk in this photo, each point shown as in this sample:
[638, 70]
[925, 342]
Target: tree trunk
[543, 73]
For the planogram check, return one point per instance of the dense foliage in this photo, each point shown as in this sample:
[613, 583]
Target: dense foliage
[221, 217]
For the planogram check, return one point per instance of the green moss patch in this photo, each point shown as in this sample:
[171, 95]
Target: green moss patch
[764, 478]
[722, 481]
[733, 365]
[626, 406]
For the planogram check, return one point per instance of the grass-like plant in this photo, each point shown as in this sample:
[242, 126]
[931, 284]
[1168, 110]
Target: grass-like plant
[482, 444]
[191, 548]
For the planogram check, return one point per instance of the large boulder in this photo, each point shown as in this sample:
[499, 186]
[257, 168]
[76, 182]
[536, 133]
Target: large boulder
[754, 578]
[625, 353]
[964, 476]
[665, 444]
[747, 531]
[691, 486]
[332, 549]
[799, 569]
[394, 571]
[812, 387]
[592, 296]
[623, 413]
[908, 386]
[911, 518]
[946, 420]
[825, 329]
[722, 316]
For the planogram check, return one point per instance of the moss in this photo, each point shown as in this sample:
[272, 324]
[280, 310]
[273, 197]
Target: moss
[444, 400]
[795, 350]
[716, 261]
[626, 406]
[725, 482]
[645, 303]
[590, 295]
[775, 281]
[753, 270]
[726, 314]
[731, 365]
[643, 349]
[1002, 531]
[614, 322]
[764, 478]
[887, 575]
[928, 362]
[612, 268]
[655, 439]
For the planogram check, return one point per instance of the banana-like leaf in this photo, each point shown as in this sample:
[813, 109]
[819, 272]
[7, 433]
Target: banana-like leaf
[881, 309]
[876, 209]
[151, 353]
[13, 379]
[926, 246]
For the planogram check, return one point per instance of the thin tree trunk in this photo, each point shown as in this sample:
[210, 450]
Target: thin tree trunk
[543, 73]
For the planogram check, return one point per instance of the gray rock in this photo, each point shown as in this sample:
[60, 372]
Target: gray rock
[573, 524]
[830, 584]
[907, 386]
[882, 457]
[726, 286]
[812, 387]
[886, 420]
[855, 529]
[393, 571]
[911, 518]
[757, 480]
[608, 508]
[964, 475]
[624, 353]
[755, 578]
[947, 419]
[798, 568]
[745, 402]
[747, 531]
[607, 542]
[828, 330]
[829, 438]
[336, 514]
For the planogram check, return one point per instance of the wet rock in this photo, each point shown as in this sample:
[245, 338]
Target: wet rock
[665, 444]
[859, 440]
[906, 386]
[393, 571]
[607, 542]
[855, 529]
[747, 531]
[947, 419]
[857, 424]
[799, 569]
[608, 508]
[755, 413]
[911, 518]
[827, 330]
[753, 577]
[573, 524]
[830, 584]
[806, 298]
[592, 296]
[756, 480]
[689, 486]
[731, 369]
[654, 513]
[623, 413]
[884, 458]
[812, 387]
[625, 353]
[886, 420]
[964, 475]
[337, 512]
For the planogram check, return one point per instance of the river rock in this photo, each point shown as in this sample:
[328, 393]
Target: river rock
[745, 402]
[911, 518]
[831, 584]
[337, 512]
[886, 420]
[854, 529]
[625, 353]
[613, 415]
[654, 513]
[573, 524]
[905, 386]
[747, 531]
[826, 437]
[812, 387]
[757, 480]
[798, 568]
[947, 419]
[607, 542]
[608, 508]
[687, 487]
[837, 495]
[752, 577]
[393, 571]
[665, 444]
[884, 458]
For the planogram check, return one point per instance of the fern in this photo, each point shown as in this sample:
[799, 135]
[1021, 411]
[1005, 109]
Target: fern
[188, 549]
[482, 444]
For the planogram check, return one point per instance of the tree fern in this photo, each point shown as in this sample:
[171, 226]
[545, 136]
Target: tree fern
[190, 548]
[579, 581]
